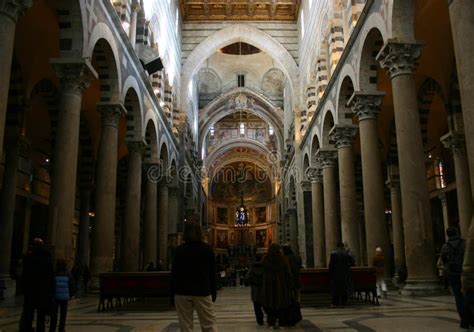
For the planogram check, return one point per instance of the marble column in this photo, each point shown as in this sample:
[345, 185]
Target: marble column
[130, 233]
[461, 13]
[456, 143]
[102, 248]
[10, 10]
[444, 207]
[163, 212]
[397, 222]
[7, 213]
[133, 23]
[75, 75]
[366, 106]
[332, 227]
[343, 137]
[83, 243]
[319, 243]
[399, 60]
[150, 232]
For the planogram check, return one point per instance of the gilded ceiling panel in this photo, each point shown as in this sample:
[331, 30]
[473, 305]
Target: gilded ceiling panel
[239, 10]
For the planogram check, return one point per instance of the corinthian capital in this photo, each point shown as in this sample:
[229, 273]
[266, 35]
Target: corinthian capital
[343, 135]
[327, 157]
[314, 175]
[455, 142]
[136, 147]
[366, 105]
[14, 8]
[75, 74]
[399, 58]
[110, 113]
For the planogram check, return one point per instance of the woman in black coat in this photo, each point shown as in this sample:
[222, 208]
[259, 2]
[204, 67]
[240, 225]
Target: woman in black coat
[277, 284]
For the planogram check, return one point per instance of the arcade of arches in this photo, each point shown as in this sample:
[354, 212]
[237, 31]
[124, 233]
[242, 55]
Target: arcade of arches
[326, 120]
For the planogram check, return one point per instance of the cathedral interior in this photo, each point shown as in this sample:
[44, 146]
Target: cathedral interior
[307, 122]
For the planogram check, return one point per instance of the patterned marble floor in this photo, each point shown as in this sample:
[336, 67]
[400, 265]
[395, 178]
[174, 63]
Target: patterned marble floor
[235, 314]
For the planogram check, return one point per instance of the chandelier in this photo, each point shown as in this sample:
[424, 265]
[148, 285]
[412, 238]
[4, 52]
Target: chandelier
[241, 213]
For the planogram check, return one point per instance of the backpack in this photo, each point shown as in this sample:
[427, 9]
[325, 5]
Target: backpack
[455, 257]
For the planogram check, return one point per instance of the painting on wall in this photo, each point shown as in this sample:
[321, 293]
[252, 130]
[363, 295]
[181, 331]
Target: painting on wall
[221, 215]
[261, 214]
[222, 240]
[261, 238]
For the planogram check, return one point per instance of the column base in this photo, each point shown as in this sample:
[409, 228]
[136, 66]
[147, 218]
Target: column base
[7, 288]
[421, 287]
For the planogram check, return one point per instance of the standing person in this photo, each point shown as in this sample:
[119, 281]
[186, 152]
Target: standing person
[255, 280]
[295, 267]
[63, 290]
[378, 263]
[193, 280]
[340, 275]
[452, 254]
[276, 285]
[38, 282]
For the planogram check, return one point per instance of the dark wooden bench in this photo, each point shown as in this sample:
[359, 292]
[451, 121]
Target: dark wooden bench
[121, 287]
[363, 279]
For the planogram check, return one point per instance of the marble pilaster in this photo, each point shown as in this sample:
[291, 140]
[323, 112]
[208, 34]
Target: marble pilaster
[332, 227]
[130, 233]
[343, 136]
[456, 143]
[102, 247]
[366, 107]
[399, 60]
[75, 75]
[10, 10]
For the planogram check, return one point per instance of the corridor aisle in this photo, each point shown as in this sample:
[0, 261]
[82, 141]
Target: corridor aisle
[235, 314]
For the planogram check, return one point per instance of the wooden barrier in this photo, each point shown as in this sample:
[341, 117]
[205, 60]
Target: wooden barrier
[363, 281]
[118, 287]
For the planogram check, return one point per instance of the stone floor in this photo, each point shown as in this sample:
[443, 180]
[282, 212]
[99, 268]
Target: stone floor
[235, 314]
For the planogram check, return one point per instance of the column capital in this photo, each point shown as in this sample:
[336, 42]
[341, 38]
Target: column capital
[75, 74]
[136, 7]
[327, 157]
[393, 185]
[136, 147]
[14, 8]
[399, 58]
[305, 185]
[343, 135]
[314, 175]
[24, 146]
[366, 105]
[455, 142]
[111, 113]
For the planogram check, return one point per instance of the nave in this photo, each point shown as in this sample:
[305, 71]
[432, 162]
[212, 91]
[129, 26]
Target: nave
[235, 314]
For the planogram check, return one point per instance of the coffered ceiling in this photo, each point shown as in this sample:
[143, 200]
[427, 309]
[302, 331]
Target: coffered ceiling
[239, 10]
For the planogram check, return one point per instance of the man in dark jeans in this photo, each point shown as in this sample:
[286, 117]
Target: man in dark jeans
[452, 255]
[38, 281]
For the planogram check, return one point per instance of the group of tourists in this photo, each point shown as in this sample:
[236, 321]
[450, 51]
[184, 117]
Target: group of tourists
[274, 281]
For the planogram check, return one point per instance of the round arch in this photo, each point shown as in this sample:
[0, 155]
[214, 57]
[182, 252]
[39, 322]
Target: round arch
[232, 34]
[102, 39]
[215, 112]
